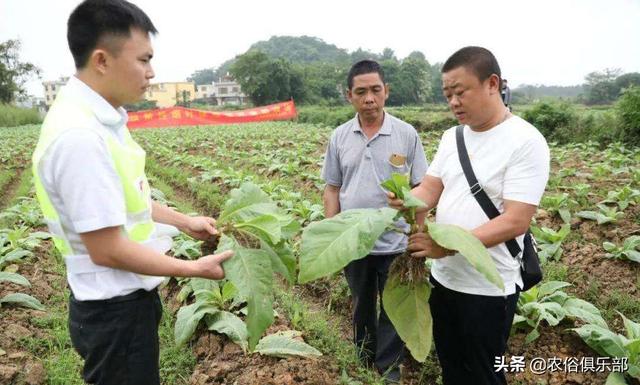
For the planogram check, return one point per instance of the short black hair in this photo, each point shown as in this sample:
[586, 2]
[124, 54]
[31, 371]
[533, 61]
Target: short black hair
[92, 20]
[476, 59]
[364, 67]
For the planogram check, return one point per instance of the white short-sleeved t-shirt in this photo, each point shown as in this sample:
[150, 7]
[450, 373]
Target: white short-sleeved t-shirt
[511, 162]
[80, 178]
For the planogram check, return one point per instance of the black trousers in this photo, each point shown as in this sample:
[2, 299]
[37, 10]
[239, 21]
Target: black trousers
[118, 338]
[374, 335]
[469, 332]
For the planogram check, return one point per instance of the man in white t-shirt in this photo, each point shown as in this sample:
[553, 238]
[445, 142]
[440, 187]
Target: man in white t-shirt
[93, 192]
[510, 158]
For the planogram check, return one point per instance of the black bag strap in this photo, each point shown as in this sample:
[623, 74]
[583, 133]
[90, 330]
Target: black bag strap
[476, 189]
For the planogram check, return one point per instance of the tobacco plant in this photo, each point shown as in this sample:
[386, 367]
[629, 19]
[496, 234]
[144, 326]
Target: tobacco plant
[329, 245]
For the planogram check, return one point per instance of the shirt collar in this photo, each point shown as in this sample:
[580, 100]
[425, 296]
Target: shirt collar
[384, 130]
[104, 112]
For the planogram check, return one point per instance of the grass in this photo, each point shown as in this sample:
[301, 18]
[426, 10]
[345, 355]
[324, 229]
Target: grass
[6, 177]
[206, 195]
[24, 185]
[320, 332]
[62, 364]
[323, 334]
[176, 362]
[11, 116]
[555, 271]
[618, 301]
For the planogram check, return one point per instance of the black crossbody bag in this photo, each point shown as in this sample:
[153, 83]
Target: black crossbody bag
[528, 259]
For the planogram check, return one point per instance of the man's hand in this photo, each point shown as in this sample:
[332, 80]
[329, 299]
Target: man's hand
[201, 228]
[421, 245]
[394, 202]
[210, 266]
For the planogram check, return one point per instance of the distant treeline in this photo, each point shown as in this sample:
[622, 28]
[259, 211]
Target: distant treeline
[312, 71]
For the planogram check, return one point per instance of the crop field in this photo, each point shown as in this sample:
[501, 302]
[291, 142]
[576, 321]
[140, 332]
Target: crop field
[586, 314]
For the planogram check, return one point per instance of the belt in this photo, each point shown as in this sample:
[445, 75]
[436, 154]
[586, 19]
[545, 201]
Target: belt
[140, 293]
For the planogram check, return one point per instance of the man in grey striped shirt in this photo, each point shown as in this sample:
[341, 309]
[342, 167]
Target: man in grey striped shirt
[363, 153]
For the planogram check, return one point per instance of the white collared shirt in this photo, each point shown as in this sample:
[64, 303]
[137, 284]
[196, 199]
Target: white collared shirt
[78, 174]
[511, 162]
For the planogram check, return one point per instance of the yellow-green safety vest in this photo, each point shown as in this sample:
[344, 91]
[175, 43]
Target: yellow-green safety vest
[128, 158]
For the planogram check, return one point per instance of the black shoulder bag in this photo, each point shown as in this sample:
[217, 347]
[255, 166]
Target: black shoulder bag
[528, 259]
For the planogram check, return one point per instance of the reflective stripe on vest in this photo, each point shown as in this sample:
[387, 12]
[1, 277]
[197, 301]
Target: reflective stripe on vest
[128, 159]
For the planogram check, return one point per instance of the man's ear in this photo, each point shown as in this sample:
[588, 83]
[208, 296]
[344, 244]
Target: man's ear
[387, 88]
[494, 84]
[99, 60]
[349, 95]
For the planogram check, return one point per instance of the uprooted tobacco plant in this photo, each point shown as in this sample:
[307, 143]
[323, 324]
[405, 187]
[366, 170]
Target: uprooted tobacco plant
[329, 245]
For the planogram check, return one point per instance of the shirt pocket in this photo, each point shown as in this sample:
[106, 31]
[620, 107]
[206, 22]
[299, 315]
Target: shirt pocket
[397, 162]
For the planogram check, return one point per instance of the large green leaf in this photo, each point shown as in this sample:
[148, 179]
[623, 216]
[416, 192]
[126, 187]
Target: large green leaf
[454, 237]
[22, 299]
[231, 325]
[250, 272]
[408, 309]
[410, 200]
[602, 340]
[633, 255]
[584, 310]
[283, 261]
[329, 245]
[396, 183]
[284, 344]
[399, 185]
[634, 371]
[14, 278]
[15, 255]
[188, 318]
[616, 378]
[632, 328]
[246, 203]
[265, 226]
[551, 287]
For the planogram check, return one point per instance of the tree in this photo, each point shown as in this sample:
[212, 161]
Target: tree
[601, 87]
[628, 108]
[301, 49]
[436, 84]
[628, 80]
[388, 54]
[267, 80]
[361, 54]
[203, 76]
[223, 70]
[417, 55]
[416, 76]
[409, 81]
[324, 83]
[13, 72]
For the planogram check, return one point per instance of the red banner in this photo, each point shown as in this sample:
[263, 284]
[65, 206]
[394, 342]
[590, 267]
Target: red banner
[180, 116]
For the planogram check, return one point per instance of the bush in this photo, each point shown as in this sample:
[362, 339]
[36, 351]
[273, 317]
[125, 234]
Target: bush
[11, 116]
[329, 116]
[628, 109]
[141, 106]
[550, 116]
[431, 117]
[590, 125]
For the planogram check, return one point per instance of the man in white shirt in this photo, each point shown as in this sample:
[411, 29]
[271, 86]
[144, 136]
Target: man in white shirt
[510, 158]
[90, 184]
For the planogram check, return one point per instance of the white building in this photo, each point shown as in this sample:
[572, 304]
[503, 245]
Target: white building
[228, 91]
[51, 89]
[32, 102]
[204, 91]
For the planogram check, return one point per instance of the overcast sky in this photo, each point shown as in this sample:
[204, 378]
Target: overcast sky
[536, 42]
